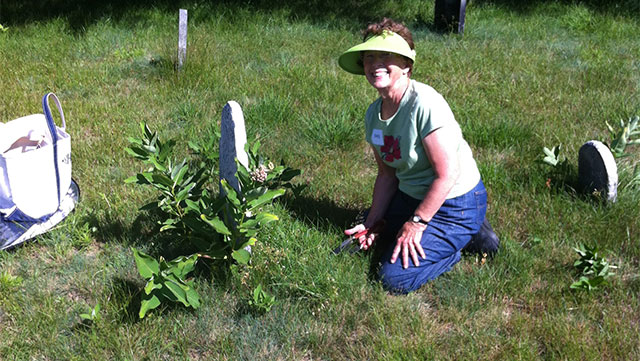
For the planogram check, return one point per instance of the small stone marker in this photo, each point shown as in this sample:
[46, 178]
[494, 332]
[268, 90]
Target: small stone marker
[233, 138]
[182, 38]
[597, 170]
[449, 15]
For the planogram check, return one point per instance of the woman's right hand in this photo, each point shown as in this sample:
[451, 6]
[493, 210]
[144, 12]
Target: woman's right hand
[365, 240]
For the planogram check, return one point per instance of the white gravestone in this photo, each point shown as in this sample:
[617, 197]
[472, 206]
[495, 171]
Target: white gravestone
[597, 170]
[233, 138]
[182, 38]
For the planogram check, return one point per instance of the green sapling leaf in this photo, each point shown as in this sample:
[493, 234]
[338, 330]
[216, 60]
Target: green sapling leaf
[148, 303]
[182, 265]
[193, 298]
[242, 256]
[266, 198]
[151, 285]
[176, 288]
[147, 265]
[217, 224]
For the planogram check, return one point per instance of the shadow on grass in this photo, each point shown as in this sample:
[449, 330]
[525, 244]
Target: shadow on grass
[114, 227]
[127, 295]
[319, 212]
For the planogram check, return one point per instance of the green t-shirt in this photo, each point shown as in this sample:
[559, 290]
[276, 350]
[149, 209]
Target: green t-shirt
[398, 140]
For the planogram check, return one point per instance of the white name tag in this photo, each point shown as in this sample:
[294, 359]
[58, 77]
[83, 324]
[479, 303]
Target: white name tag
[376, 137]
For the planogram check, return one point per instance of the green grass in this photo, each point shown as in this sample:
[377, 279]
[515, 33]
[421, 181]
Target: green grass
[522, 77]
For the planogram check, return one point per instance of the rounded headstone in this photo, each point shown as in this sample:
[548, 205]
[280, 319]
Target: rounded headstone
[597, 170]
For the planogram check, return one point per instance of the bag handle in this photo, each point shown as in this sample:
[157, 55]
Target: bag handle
[54, 133]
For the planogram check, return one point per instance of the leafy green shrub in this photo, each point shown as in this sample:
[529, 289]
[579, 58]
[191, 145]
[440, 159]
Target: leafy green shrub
[621, 137]
[220, 226]
[594, 270]
[166, 281]
[262, 301]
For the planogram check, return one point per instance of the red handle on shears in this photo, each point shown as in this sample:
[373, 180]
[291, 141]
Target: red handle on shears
[359, 234]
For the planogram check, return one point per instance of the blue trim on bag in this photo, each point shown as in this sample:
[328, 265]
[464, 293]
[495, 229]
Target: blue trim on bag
[54, 139]
[18, 216]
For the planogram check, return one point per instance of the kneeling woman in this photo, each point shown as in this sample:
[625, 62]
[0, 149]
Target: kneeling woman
[428, 190]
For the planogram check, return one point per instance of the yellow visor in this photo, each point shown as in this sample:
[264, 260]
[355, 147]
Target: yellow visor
[388, 41]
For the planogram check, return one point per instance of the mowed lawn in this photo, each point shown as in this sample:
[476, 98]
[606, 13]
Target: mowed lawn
[522, 77]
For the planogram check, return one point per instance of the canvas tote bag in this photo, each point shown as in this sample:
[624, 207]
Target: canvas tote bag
[35, 165]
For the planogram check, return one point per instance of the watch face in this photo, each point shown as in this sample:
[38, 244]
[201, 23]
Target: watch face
[416, 219]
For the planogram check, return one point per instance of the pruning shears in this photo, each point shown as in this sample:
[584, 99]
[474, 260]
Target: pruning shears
[351, 244]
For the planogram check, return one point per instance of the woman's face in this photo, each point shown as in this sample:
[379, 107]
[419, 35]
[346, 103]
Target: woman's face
[383, 69]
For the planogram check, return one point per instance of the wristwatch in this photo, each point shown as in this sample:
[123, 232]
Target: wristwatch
[416, 219]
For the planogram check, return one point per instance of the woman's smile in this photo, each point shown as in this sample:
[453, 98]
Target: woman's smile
[383, 69]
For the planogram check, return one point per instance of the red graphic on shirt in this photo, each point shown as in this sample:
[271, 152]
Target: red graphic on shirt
[391, 148]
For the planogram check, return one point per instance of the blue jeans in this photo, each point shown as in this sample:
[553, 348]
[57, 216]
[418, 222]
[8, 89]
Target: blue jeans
[448, 232]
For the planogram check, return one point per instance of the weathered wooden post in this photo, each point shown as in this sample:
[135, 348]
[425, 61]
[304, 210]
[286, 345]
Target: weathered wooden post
[182, 38]
[449, 15]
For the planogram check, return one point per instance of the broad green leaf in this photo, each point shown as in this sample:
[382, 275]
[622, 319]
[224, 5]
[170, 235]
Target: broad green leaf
[248, 224]
[289, 174]
[177, 179]
[193, 298]
[177, 291]
[217, 224]
[147, 265]
[151, 285]
[149, 302]
[255, 193]
[145, 178]
[182, 265]
[182, 195]
[157, 164]
[264, 218]
[231, 194]
[242, 256]
[192, 205]
[266, 198]
[162, 179]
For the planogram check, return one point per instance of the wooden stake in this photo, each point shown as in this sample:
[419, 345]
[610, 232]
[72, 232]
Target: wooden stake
[182, 38]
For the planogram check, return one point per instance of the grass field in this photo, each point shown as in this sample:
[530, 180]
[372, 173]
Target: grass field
[522, 77]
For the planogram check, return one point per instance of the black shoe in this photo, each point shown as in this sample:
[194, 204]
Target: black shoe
[485, 241]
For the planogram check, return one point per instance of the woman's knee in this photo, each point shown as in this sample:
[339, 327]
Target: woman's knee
[395, 279]
[399, 280]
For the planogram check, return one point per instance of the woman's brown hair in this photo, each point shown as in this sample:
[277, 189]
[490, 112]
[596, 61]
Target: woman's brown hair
[390, 25]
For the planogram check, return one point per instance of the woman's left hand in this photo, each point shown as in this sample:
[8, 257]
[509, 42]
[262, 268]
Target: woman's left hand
[408, 241]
